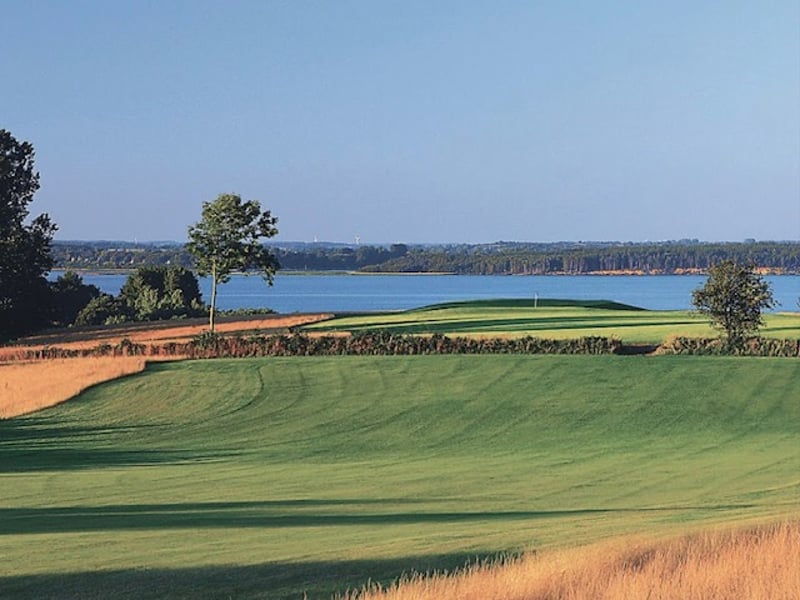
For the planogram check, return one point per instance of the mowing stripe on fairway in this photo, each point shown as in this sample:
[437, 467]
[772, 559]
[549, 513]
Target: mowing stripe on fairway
[233, 477]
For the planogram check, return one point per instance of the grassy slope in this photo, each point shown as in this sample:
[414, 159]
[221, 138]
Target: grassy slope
[745, 563]
[262, 478]
[551, 319]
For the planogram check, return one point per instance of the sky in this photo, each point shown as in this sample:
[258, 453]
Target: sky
[412, 121]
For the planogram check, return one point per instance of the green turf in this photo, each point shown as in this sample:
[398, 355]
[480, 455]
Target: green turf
[555, 319]
[266, 478]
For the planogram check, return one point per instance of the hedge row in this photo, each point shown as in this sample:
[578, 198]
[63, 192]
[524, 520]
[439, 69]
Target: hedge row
[362, 344]
[718, 347]
[124, 348]
[385, 343]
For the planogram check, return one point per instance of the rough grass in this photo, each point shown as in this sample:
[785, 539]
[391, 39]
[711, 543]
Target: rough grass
[30, 386]
[155, 332]
[746, 564]
[555, 319]
[270, 478]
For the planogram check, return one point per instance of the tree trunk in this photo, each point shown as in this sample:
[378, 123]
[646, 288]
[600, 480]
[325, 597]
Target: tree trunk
[213, 295]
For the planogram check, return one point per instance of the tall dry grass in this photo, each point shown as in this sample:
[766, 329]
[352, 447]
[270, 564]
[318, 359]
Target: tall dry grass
[754, 564]
[30, 386]
[152, 332]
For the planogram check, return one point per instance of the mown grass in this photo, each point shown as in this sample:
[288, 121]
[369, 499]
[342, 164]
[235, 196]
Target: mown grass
[268, 478]
[555, 319]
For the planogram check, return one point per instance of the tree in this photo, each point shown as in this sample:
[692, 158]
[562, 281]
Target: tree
[70, 296]
[227, 239]
[733, 297]
[151, 293]
[103, 310]
[25, 255]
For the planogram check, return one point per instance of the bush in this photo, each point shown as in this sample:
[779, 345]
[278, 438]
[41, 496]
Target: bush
[756, 346]
[70, 296]
[155, 293]
[101, 311]
[244, 312]
[383, 343]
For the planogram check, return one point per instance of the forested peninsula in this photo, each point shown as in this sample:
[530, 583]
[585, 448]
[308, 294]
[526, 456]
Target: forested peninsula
[501, 258]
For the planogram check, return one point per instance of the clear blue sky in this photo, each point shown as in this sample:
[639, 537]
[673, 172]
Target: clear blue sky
[412, 121]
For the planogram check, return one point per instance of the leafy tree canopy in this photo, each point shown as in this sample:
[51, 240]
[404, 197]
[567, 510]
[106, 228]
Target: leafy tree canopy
[733, 297]
[104, 309]
[148, 294]
[152, 293]
[25, 255]
[70, 295]
[227, 239]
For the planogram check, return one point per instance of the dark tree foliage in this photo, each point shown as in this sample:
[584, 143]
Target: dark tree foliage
[338, 258]
[69, 297]
[100, 311]
[148, 294]
[25, 255]
[118, 255]
[733, 297]
[228, 239]
[152, 293]
[504, 258]
[573, 258]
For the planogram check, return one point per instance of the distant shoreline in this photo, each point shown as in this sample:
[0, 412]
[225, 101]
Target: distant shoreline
[320, 272]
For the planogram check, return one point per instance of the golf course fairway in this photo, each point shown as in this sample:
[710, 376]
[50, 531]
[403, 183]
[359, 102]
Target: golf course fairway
[548, 318]
[268, 478]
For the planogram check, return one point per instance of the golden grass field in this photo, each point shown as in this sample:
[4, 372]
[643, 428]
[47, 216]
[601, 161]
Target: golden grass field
[154, 333]
[28, 386]
[759, 563]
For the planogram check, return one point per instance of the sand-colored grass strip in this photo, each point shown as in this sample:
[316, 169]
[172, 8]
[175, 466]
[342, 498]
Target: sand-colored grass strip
[753, 564]
[29, 386]
[155, 332]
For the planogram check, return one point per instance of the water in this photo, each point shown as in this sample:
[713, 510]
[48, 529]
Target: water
[337, 293]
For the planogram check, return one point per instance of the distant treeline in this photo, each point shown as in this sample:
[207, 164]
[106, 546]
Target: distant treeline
[503, 258]
[646, 259]
[297, 257]
[117, 255]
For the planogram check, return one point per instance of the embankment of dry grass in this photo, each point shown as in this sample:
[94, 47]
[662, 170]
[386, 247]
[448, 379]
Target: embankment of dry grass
[30, 386]
[154, 332]
[27, 386]
[755, 564]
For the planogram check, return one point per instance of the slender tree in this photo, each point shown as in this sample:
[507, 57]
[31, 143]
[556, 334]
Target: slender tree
[228, 238]
[733, 297]
[25, 255]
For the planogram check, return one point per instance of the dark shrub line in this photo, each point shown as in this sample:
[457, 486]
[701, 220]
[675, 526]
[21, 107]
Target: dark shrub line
[756, 346]
[362, 344]
[384, 343]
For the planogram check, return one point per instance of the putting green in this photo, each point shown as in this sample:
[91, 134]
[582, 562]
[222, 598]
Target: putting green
[554, 319]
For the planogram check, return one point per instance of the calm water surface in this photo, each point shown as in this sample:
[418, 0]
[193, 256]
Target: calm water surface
[316, 293]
